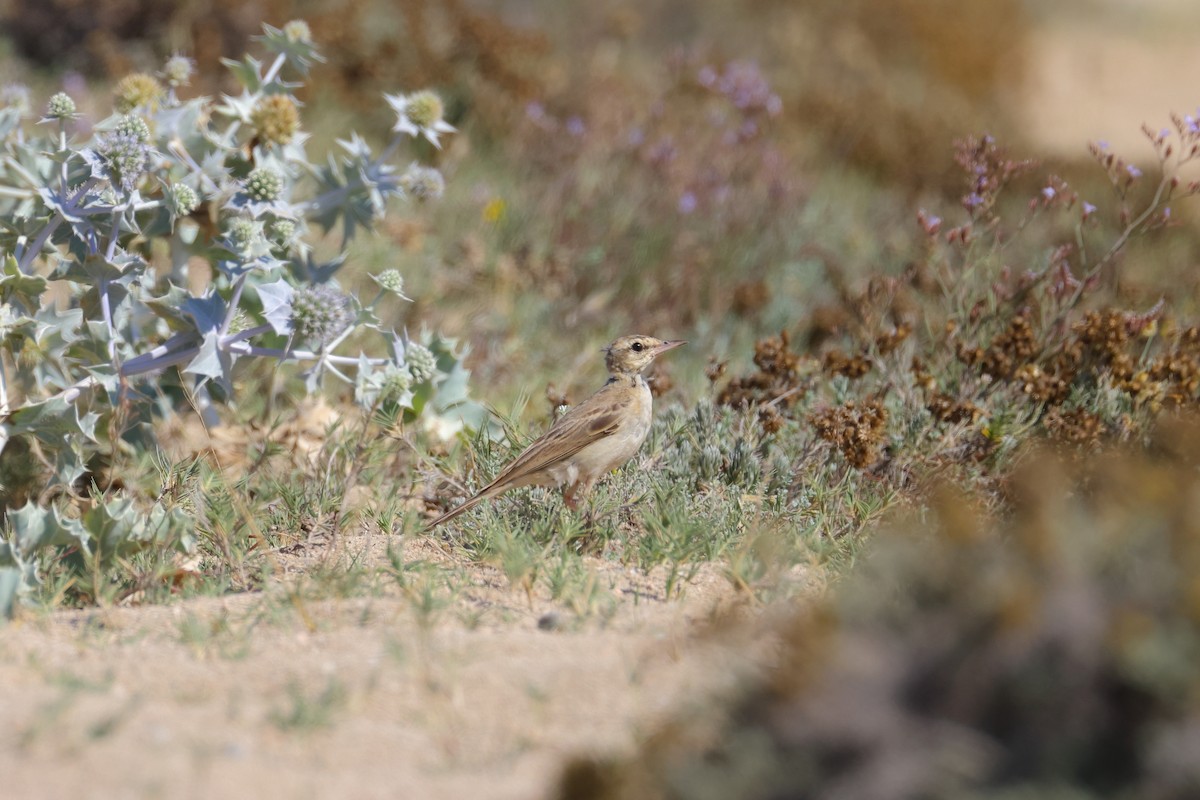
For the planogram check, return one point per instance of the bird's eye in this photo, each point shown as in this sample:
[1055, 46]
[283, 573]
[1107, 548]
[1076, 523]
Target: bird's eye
[637, 347]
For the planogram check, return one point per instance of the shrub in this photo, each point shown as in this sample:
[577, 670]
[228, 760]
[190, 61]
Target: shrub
[1009, 323]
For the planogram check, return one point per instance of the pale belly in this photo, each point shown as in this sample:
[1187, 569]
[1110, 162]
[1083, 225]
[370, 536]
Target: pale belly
[598, 459]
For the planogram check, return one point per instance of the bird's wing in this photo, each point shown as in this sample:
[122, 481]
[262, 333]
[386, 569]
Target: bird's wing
[592, 420]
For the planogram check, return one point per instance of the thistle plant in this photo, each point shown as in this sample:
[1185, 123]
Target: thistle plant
[90, 216]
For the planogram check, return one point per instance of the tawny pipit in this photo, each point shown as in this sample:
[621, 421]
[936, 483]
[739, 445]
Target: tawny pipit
[593, 438]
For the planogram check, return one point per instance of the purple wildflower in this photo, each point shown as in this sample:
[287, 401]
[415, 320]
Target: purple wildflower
[535, 111]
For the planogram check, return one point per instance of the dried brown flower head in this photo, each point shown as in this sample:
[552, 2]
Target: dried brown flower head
[886, 343]
[774, 357]
[770, 420]
[1077, 426]
[778, 378]
[950, 409]
[1104, 337]
[660, 382]
[838, 363]
[1011, 349]
[856, 429]
[715, 369]
[922, 377]
[1049, 386]
[750, 297]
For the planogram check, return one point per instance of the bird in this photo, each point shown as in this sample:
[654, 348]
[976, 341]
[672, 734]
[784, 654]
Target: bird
[590, 440]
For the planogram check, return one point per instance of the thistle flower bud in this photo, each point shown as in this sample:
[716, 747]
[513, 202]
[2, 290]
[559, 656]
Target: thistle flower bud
[61, 106]
[425, 109]
[421, 361]
[241, 321]
[396, 381]
[243, 233]
[126, 152]
[390, 280]
[137, 90]
[319, 313]
[298, 31]
[423, 183]
[264, 184]
[419, 114]
[182, 199]
[15, 95]
[283, 231]
[178, 70]
[276, 119]
[133, 127]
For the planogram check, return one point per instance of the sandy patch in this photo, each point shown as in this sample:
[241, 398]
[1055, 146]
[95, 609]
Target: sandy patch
[254, 696]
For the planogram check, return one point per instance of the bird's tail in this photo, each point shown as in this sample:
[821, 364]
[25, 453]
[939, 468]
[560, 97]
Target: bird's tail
[454, 512]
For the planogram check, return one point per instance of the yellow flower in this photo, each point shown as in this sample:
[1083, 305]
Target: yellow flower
[494, 210]
[137, 90]
[276, 119]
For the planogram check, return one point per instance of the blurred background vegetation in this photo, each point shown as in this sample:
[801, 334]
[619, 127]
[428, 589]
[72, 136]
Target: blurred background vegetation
[568, 109]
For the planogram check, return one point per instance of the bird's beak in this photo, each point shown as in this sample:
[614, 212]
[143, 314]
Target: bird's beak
[665, 346]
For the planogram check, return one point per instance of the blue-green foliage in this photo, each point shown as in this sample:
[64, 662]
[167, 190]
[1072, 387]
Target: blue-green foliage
[104, 533]
[227, 181]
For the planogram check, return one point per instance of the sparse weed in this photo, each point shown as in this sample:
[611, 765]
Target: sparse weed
[307, 711]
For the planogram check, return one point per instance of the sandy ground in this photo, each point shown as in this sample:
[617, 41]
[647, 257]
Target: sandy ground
[250, 696]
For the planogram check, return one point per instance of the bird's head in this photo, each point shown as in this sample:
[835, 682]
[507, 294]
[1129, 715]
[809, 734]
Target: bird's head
[630, 355]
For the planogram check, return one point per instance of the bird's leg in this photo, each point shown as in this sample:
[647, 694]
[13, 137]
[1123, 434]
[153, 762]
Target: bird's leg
[574, 493]
[574, 497]
[571, 495]
[589, 518]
